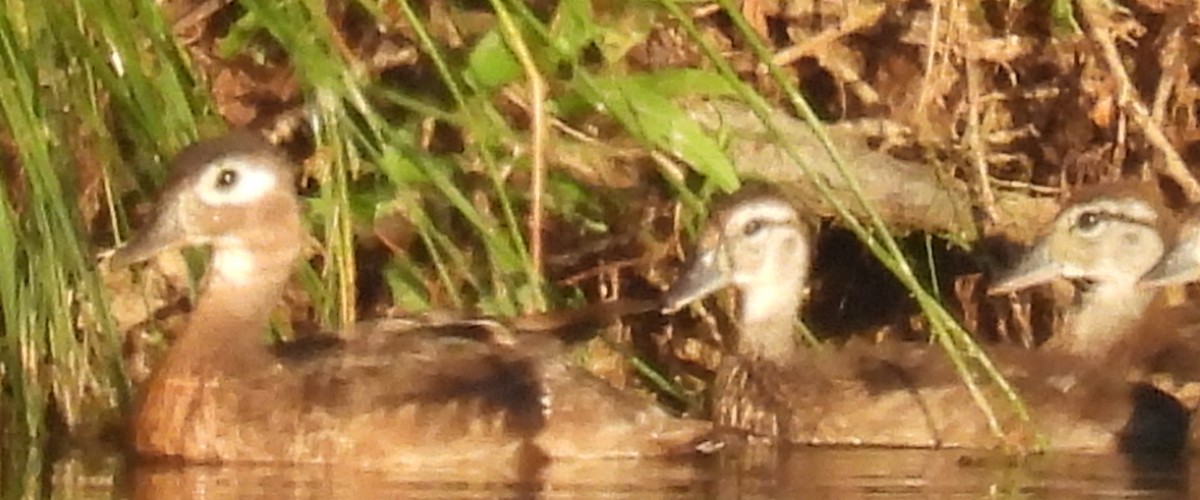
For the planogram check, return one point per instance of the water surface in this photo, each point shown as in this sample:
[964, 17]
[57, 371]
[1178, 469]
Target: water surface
[795, 473]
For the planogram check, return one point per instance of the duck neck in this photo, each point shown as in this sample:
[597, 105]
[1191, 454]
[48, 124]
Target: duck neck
[1105, 315]
[227, 328]
[768, 319]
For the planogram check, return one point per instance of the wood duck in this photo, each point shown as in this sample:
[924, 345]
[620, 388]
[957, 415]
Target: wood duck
[1178, 353]
[394, 394]
[1105, 239]
[887, 394]
[1181, 264]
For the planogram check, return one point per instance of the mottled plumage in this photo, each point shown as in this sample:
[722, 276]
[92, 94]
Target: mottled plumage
[879, 394]
[392, 393]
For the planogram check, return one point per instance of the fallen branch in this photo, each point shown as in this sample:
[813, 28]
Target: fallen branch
[910, 196]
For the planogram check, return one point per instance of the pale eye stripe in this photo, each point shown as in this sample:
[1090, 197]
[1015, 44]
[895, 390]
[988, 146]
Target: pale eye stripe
[1131, 211]
[1122, 217]
[1126, 218]
[771, 212]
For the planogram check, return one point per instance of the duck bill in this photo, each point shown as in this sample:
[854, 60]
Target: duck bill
[163, 234]
[706, 275]
[1036, 268]
[1177, 267]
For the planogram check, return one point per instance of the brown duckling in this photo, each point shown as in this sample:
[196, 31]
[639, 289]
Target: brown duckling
[386, 396]
[1105, 239]
[887, 394]
[1181, 263]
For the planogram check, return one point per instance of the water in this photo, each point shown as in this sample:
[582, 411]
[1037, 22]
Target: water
[795, 473]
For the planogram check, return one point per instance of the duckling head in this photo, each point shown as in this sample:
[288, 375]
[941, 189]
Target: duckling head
[1105, 240]
[1182, 263]
[756, 243]
[234, 193]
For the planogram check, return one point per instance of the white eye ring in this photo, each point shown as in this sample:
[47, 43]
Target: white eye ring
[249, 183]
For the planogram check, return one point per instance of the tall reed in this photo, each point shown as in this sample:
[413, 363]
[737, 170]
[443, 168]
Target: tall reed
[90, 102]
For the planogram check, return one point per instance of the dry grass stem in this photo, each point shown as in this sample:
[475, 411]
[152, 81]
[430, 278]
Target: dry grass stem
[538, 124]
[1174, 167]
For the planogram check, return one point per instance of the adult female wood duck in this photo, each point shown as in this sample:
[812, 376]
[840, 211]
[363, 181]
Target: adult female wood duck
[1105, 239]
[889, 394]
[426, 397]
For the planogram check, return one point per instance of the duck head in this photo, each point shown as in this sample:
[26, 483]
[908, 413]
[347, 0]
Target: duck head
[755, 242]
[236, 194]
[1181, 264]
[1104, 241]
[1103, 238]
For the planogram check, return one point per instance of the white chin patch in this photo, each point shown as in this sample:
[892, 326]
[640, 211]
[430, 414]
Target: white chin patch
[253, 181]
[233, 264]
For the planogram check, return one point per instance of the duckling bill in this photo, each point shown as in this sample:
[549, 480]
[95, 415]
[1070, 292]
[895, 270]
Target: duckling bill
[431, 396]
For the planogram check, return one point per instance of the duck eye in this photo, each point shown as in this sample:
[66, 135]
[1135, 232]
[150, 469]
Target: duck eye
[1087, 221]
[226, 178]
[752, 227]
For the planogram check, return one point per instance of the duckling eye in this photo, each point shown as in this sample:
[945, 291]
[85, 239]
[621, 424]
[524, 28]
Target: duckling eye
[226, 178]
[1087, 221]
[752, 227]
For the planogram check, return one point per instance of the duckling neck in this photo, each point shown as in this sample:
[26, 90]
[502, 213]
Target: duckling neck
[1106, 314]
[226, 329]
[767, 323]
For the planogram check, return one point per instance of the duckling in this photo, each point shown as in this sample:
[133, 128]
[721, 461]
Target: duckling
[1104, 240]
[888, 394]
[1181, 264]
[395, 394]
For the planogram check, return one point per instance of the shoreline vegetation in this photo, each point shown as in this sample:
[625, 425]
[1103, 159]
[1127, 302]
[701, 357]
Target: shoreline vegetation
[510, 157]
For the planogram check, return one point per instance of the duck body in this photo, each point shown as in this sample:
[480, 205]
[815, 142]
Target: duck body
[893, 394]
[415, 399]
[424, 396]
[907, 395]
[833, 397]
[1181, 265]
